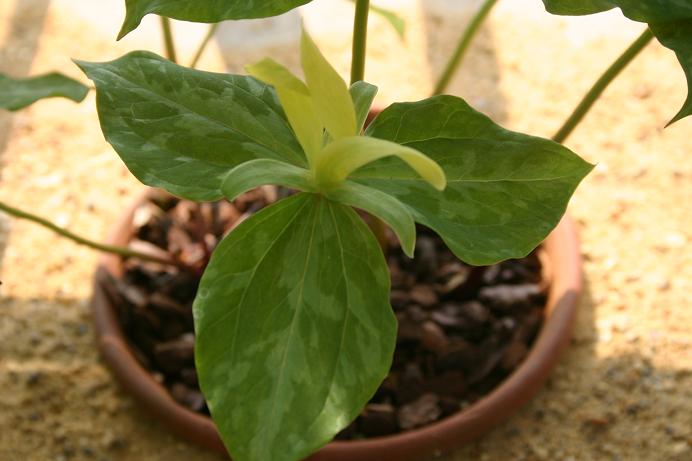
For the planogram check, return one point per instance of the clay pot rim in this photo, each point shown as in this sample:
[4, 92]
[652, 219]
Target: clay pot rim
[562, 250]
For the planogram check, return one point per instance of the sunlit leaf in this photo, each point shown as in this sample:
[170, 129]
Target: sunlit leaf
[294, 328]
[330, 95]
[183, 129]
[204, 10]
[505, 191]
[296, 101]
[16, 94]
[341, 158]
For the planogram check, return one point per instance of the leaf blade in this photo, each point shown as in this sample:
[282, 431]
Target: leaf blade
[384, 206]
[209, 11]
[296, 102]
[182, 129]
[505, 191]
[363, 94]
[341, 158]
[17, 94]
[255, 173]
[261, 411]
[330, 95]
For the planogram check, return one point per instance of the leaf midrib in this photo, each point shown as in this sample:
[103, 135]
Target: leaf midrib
[299, 307]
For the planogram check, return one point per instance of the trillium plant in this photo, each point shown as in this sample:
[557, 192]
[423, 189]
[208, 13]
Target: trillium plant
[294, 329]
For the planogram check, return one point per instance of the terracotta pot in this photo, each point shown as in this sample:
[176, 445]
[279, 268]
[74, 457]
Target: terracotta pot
[563, 260]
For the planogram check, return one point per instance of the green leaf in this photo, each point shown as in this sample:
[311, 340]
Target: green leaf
[330, 95]
[384, 206]
[391, 17]
[255, 173]
[183, 129]
[294, 328]
[341, 158]
[296, 101]
[16, 94]
[669, 20]
[678, 37]
[505, 191]
[363, 94]
[637, 10]
[394, 20]
[204, 10]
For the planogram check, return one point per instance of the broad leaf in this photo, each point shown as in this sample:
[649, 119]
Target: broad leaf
[341, 158]
[16, 94]
[294, 328]
[385, 207]
[255, 173]
[204, 10]
[505, 191]
[669, 20]
[330, 95]
[296, 101]
[183, 129]
[363, 94]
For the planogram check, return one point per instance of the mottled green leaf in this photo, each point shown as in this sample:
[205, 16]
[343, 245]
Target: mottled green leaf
[296, 101]
[204, 10]
[16, 94]
[363, 94]
[294, 328]
[341, 158]
[330, 95]
[183, 129]
[505, 191]
[669, 20]
[384, 206]
[255, 173]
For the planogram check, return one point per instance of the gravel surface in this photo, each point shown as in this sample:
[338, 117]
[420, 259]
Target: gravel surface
[624, 388]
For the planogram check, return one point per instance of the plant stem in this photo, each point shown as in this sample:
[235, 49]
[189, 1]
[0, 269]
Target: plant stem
[122, 251]
[168, 39]
[203, 45]
[601, 84]
[360, 38]
[463, 46]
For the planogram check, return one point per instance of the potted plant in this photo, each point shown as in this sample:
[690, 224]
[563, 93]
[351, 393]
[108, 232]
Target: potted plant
[294, 328]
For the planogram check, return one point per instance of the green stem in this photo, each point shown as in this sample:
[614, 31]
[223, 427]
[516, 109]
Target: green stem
[203, 45]
[360, 38]
[122, 251]
[463, 46]
[601, 84]
[168, 39]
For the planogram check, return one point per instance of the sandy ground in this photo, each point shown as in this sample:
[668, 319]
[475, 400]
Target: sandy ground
[623, 390]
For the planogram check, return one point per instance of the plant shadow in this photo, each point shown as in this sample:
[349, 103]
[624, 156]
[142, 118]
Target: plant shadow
[20, 44]
[478, 76]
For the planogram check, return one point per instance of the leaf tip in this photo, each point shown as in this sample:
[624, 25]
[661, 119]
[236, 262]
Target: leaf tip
[409, 249]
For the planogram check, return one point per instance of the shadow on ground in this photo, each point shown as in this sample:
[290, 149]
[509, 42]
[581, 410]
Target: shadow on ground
[21, 44]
